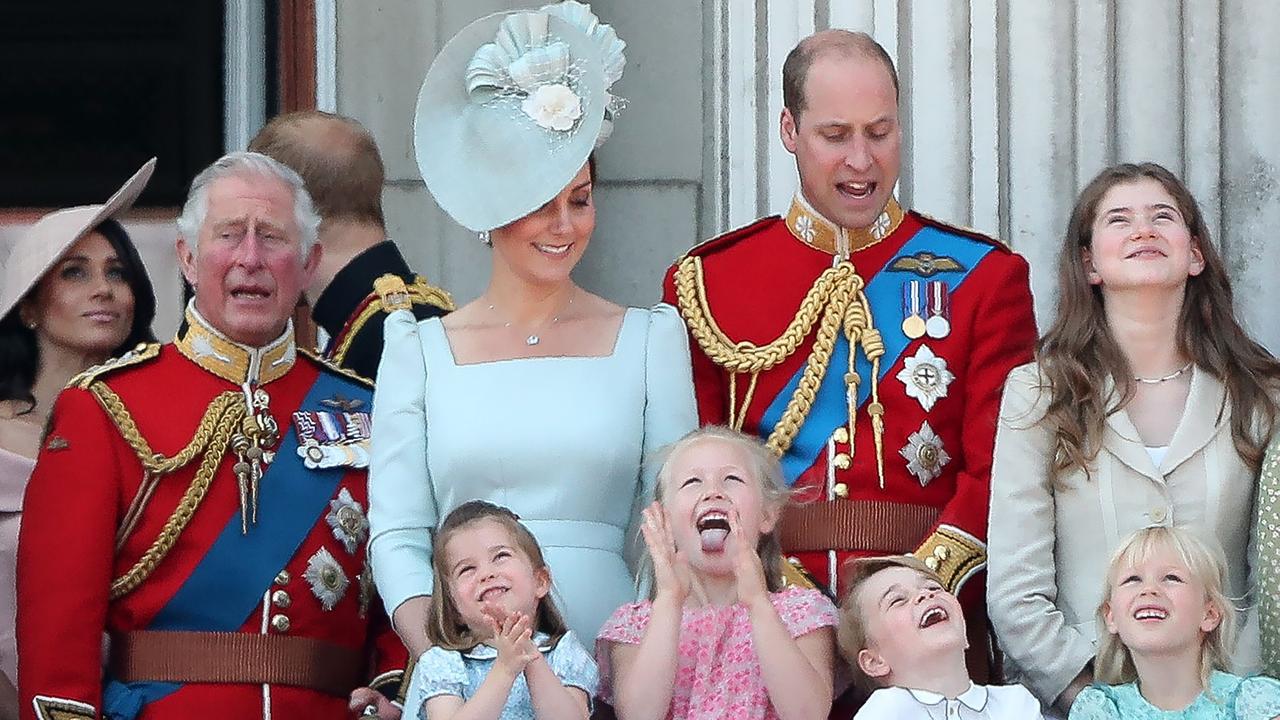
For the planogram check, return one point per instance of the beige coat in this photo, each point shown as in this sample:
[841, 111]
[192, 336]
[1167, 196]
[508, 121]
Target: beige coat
[1049, 544]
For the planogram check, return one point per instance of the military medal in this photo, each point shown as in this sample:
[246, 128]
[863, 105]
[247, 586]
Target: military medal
[926, 377]
[938, 294]
[333, 439]
[347, 521]
[327, 580]
[924, 454]
[913, 323]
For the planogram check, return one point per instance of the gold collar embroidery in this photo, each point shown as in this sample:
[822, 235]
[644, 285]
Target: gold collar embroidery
[205, 346]
[819, 233]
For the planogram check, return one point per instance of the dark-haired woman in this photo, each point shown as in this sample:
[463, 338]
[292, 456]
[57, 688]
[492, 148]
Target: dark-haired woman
[75, 293]
[1147, 405]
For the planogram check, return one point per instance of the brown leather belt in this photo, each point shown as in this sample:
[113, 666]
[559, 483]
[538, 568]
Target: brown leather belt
[236, 658]
[864, 525]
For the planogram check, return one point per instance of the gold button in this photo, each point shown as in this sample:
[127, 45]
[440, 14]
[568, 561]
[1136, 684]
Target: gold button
[841, 490]
[280, 623]
[1159, 514]
[842, 461]
[942, 552]
[841, 435]
[931, 562]
[281, 599]
[283, 577]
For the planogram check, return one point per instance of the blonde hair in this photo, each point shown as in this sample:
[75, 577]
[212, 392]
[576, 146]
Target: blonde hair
[767, 472]
[1205, 560]
[446, 627]
[851, 633]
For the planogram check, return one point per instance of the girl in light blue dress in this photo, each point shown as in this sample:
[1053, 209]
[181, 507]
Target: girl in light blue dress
[499, 646]
[1169, 631]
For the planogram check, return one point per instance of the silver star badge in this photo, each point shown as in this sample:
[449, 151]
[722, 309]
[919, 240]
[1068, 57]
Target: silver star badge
[926, 377]
[328, 582]
[346, 519]
[924, 454]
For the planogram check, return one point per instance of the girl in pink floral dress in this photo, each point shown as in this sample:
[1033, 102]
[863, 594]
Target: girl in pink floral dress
[691, 651]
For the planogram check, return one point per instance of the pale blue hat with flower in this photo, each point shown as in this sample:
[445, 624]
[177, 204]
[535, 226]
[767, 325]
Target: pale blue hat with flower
[511, 109]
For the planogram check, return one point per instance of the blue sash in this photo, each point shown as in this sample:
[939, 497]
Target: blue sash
[229, 582]
[884, 292]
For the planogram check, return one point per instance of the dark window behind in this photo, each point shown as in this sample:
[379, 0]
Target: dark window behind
[90, 89]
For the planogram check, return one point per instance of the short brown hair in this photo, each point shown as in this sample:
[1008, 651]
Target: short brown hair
[446, 628]
[337, 158]
[846, 43]
[851, 634]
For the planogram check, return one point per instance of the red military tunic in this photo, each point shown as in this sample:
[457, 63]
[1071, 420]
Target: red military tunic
[755, 303]
[93, 557]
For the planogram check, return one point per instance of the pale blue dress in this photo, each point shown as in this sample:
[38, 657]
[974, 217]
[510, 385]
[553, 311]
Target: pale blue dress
[560, 441]
[1230, 697]
[451, 672]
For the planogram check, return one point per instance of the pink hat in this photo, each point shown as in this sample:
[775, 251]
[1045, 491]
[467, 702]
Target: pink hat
[45, 242]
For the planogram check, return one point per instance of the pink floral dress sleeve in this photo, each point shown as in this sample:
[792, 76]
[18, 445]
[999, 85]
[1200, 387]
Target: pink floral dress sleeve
[627, 626]
[804, 610]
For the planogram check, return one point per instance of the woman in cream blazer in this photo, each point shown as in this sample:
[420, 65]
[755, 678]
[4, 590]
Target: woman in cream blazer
[1131, 416]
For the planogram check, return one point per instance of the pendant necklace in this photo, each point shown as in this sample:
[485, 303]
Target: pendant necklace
[534, 338]
[1166, 378]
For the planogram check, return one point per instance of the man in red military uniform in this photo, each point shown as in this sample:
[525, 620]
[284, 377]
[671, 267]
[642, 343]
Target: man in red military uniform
[200, 505]
[866, 344]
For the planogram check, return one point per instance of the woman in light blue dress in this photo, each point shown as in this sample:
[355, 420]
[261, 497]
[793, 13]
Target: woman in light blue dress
[538, 396]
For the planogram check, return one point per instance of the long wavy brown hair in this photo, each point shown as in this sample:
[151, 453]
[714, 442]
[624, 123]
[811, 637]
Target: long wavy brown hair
[1079, 346]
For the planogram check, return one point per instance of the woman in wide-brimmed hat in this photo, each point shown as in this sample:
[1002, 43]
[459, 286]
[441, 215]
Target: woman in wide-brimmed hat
[75, 293]
[538, 395]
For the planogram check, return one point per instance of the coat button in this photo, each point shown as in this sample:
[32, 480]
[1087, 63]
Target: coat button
[281, 599]
[841, 490]
[842, 461]
[1158, 515]
[280, 623]
[283, 577]
[841, 435]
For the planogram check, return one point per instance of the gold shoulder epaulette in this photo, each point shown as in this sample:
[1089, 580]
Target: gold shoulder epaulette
[393, 293]
[330, 366]
[423, 292]
[962, 229]
[140, 354]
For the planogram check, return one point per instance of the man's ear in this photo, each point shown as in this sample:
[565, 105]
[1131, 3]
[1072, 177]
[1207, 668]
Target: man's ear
[872, 664]
[789, 129]
[186, 260]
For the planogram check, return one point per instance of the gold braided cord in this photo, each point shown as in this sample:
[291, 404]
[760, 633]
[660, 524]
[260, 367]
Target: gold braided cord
[186, 509]
[152, 461]
[836, 301]
[691, 297]
[211, 438]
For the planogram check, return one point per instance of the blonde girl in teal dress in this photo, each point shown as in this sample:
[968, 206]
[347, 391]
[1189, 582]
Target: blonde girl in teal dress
[1168, 631]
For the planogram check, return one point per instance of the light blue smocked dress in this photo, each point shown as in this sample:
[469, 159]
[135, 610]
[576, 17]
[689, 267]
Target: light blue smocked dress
[1230, 697]
[450, 672]
[558, 440]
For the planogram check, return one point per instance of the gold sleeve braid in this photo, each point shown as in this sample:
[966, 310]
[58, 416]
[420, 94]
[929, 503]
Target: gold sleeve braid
[953, 554]
[210, 440]
[836, 300]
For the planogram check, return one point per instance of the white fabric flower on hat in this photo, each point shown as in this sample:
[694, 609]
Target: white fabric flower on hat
[554, 107]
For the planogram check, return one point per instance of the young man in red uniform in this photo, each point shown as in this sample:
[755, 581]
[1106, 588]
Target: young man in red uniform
[200, 506]
[867, 344]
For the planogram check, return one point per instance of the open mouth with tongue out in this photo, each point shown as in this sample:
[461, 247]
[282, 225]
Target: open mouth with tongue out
[713, 529]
